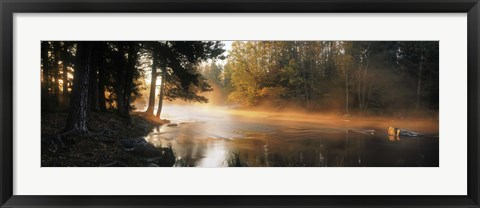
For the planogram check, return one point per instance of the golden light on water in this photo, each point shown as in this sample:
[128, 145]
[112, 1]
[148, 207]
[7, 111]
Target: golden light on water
[215, 155]
[206, 136]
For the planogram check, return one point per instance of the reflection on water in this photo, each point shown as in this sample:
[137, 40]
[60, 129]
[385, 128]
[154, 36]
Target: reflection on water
[217, 137]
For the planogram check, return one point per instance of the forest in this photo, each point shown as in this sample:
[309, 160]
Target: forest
[106, 76]
[378, 78]
[84, 81]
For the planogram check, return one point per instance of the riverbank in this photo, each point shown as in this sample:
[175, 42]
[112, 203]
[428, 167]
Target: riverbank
[113, 141]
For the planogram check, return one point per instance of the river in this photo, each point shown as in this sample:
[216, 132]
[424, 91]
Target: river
[205, 136]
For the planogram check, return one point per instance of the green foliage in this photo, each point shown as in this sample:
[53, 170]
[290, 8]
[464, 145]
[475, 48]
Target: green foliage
[364, 76]
[213, 73]
[180, 61]
[118, 66]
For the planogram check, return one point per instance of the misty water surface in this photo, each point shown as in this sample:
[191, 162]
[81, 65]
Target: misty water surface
[207, 136]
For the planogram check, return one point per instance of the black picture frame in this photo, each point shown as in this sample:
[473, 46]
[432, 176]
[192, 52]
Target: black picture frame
[9, 7]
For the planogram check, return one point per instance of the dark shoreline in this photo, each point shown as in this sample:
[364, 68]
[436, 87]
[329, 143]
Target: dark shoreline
[111, 142]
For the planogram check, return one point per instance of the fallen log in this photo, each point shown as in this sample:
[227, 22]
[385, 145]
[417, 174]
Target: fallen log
[393, 131]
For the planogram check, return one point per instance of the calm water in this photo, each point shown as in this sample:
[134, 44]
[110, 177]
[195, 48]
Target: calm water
[211, 136]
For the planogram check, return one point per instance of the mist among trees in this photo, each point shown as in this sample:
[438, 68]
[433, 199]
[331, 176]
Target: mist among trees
[382, 78]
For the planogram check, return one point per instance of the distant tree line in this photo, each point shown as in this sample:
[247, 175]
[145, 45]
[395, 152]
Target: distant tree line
[85, 76]
[382, 77]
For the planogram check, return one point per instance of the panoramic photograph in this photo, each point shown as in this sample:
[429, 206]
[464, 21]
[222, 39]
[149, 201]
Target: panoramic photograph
[239, 104]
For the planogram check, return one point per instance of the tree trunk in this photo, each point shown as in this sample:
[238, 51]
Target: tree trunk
[363, 80]
[365, 84]
[419, 86]
[304, 74]
[162, 90]
[78, 111]
[419, 79]
[132, 58]
[346, 90]
[153, 84]
[45, 69]
[56, 86]
[101, 86]
[359, 88]
[120, 79]
[120, 99]
[64, 102]
[93, 86]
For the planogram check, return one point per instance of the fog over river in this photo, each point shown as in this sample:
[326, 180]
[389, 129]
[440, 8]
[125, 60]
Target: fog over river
[206, 136]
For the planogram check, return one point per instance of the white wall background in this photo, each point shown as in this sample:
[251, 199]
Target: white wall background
[448, 179]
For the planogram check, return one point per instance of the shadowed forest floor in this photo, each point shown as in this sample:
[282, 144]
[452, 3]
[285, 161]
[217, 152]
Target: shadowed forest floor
[107, 143]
